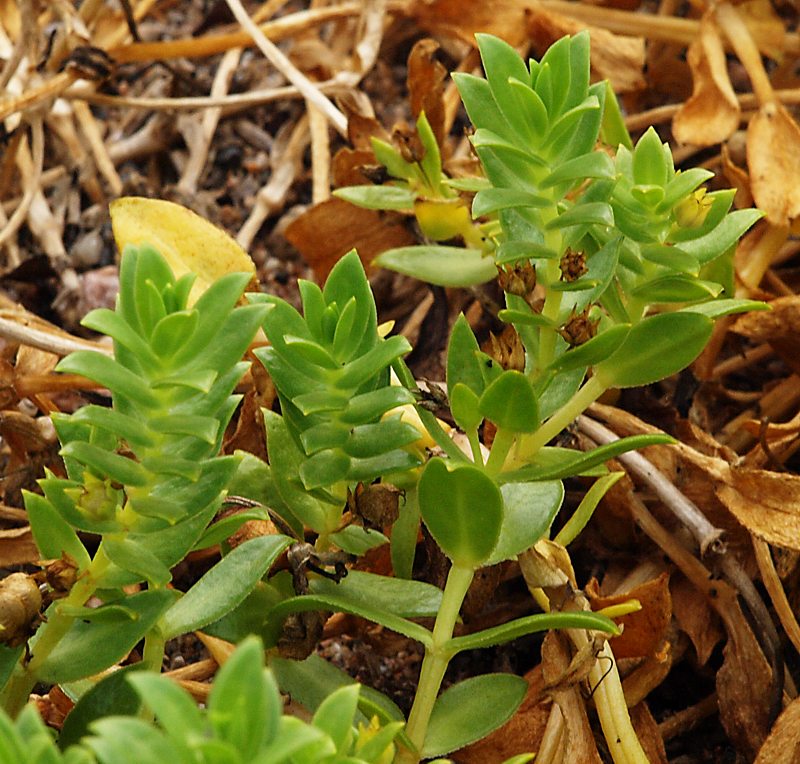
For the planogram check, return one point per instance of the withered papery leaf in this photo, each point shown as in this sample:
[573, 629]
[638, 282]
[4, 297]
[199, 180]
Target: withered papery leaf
[765, 25]
[329, 230]
[426, 79]
[646, 629]
[618, 58]
[782, 746]
[766, 503]
[695, 617]
[647, 731]
[743, 690]
[556, 664]
[773, 158]
[455, 18]
[712, 113]
[780, 327]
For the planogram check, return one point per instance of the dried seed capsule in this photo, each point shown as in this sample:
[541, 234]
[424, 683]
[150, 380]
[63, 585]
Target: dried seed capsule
[376, 505]
[579, 329]
[20, 602]
[573, 265]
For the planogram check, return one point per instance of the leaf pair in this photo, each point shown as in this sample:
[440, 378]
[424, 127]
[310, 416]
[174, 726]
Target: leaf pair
[331, 369]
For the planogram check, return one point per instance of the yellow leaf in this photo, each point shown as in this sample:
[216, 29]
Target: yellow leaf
[189, 243]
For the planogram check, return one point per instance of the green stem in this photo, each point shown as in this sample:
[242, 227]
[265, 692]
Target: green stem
[552, 300]
[153, 654]
[503, 441]
[475, 447]
[50, 634]
[434, 664]
[612, 710]
[529, 445]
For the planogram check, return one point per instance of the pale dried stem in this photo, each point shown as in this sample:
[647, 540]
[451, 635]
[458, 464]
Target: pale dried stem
[734, 28]
[151, 138]
[268, 10]
[708, 537]
[760, 258]
[102, 159]
[276, 57]
[23, 42]
[687, 718]
[229, 103]
[41, 220]
[208, 126]
[747, 101]
[277, 30]
[31, 185]
[271, 197]
[320, 155]
[736, 363]
[62, 123]
[772, 405]
[14, 331]
[12, 259]
[48, 178]
[551, 747]
[663, 28]
[371, 25]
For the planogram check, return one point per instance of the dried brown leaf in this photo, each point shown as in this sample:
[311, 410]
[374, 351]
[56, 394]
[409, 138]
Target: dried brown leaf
[766, 503]
[773, 158]
[780, 327]
[647, 731]
[782, 746]
[695, 617]
[644, 631]
[351, 167]
[426, 80]
[329, 230]
[580, 744]
[455, 18]
[617, 58]
[743, 685]
[737, 178]
[17, 547]
[765, 25]
[712, 113]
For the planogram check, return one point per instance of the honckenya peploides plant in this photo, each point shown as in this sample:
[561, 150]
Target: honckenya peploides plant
[614, 266]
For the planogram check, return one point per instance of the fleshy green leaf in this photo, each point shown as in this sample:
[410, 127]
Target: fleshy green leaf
[655, 348]
[378, 197]
[470, 710]
[463, 510]
[443, 266]
[223, 587]
[510, 403]
[529, 511]
[88, 648]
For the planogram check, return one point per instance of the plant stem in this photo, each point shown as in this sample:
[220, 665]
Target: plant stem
[435, 662]
[153, 654]
[529, 445]
[503, 440]
[612, 710]
[475, 447]
[50, 634]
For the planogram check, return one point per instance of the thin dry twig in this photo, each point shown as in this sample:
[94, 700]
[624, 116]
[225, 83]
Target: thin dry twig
[32, 185]
[208, 125]
[708, 537]
[15, 331]
[271, 197]
[277, 58]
